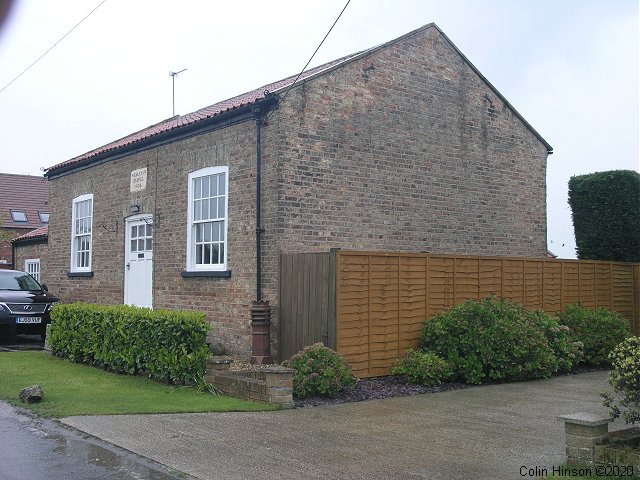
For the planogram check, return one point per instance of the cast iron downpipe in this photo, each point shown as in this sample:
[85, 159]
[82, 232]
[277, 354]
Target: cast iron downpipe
[259, 230]
[260, 309]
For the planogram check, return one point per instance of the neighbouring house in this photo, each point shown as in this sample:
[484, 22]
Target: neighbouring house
[30, 253]
[24, 206]
[405, 146]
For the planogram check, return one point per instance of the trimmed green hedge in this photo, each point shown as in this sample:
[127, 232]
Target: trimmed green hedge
[605, 208]
[166, 345]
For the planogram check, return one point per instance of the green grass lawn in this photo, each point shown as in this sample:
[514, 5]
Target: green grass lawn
[75, 389]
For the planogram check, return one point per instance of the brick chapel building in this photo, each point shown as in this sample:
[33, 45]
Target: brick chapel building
[403, 147]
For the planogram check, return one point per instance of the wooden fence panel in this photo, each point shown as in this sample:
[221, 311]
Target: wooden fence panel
[533, 284]
[636, 298]
[490, 277]
[570, 283]
[552, 280]
[602, 284]
[440, 275]
[622, 289]
[352, 332]
[382, 299]
[413, 300]
[587, 282]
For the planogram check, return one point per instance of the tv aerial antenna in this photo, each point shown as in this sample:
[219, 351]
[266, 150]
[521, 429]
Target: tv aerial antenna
[173, 81]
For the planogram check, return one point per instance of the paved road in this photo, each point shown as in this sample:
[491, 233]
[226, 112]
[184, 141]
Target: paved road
[476, 433]
[37, 449]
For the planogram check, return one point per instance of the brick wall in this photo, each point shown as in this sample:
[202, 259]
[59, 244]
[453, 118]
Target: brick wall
[5, 251]
[6, 235]
[33, 250]
[225, 301]
[415, 154]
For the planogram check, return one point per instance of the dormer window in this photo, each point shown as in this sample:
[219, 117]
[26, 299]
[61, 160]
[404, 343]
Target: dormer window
[18, 216]
[44, 217]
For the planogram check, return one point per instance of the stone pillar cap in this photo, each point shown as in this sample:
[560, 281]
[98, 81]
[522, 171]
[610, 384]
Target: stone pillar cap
[584, 418]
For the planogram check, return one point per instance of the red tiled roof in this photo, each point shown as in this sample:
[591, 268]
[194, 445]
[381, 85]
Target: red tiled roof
[178, 122]
[211, 111]
[26, 193]
[42, 232]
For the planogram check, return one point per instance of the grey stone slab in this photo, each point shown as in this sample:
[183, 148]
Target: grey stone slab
[585, 418]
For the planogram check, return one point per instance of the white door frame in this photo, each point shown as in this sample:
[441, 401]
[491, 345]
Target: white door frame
[146, 253]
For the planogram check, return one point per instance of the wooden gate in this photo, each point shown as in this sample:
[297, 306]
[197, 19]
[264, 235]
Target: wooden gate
[307, 313]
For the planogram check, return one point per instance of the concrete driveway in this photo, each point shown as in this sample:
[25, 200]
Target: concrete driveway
[477, 433]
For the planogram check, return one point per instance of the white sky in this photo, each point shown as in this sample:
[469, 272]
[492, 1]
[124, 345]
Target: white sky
[570, 67]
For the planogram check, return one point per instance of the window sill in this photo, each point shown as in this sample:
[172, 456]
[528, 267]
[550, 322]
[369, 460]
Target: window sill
[79, 274]
[210, 274]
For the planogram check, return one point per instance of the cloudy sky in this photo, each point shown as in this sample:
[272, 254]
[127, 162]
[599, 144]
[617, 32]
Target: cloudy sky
[570, 67]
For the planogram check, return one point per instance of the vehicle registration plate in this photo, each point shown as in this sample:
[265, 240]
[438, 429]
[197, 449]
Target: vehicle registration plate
[29, 320]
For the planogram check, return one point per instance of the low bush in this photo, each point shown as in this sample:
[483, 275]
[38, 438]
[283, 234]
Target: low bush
[568, 351]
[320, 371]
[164, 344]
[599, 330]
[625, 379]
[495, 339]
[423, 368]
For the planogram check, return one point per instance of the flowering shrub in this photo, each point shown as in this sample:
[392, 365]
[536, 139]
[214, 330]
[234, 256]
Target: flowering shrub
[320, 371]
[625, 380]
[423, 368]
[568, 351]
[599, 330]
[495, 339]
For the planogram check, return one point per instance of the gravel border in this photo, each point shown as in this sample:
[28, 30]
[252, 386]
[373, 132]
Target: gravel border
[395, 386]
[377, 388]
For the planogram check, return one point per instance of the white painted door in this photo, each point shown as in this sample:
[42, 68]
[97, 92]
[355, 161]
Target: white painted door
[138, 268]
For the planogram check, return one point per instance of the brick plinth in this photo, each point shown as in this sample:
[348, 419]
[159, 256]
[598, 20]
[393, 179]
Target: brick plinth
[269, 384]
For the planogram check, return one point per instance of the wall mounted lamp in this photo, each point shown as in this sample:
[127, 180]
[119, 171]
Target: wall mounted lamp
[134, 208]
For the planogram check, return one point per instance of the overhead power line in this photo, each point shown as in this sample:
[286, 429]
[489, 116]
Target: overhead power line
[314, 54]
[52, 46]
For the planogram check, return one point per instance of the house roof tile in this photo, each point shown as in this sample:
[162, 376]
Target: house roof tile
[26, 193]
[42, 232]
[192, 118]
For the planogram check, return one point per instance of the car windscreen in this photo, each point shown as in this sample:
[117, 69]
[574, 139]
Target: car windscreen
[18, 282]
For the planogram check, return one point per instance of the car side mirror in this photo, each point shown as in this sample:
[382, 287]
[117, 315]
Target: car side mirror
[44, 287]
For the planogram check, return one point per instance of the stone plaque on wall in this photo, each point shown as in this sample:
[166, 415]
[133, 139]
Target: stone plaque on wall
[138, 180]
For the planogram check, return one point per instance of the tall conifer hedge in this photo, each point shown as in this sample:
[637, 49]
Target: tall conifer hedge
[605, 208]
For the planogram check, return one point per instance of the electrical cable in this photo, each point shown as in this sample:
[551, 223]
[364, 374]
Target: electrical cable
[52, 46]
[314, 54]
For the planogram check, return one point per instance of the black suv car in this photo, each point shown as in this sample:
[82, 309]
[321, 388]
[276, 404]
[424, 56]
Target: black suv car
[24, 304]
